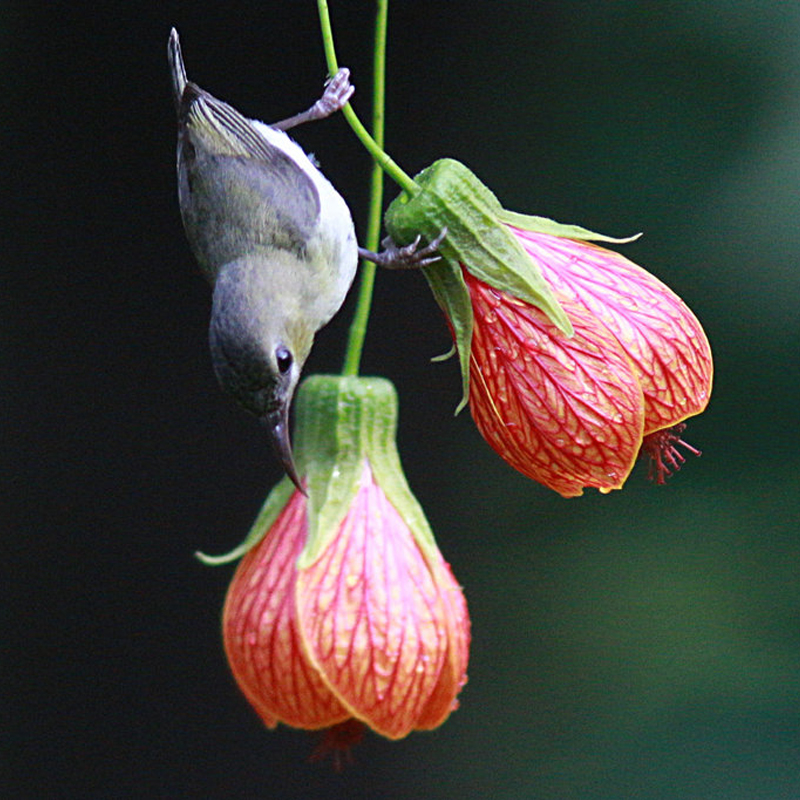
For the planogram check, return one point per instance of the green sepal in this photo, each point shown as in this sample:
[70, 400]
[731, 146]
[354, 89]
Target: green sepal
[340, 423]
[452, 197]
[535, 224]
[444, 356]
[273, 505]
[447, 284]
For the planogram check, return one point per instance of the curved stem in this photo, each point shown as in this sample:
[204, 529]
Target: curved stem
[375, 149]
[358, 327]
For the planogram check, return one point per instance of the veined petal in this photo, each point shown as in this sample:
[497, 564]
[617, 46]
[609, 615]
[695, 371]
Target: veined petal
[371, 616]
[261, 635]
[657, 330]
[454, 672]
[567, 412]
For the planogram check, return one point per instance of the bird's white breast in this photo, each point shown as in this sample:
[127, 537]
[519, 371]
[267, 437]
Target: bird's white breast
[336, 236]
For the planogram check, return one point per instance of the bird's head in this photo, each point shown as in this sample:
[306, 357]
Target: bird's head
[258, 347]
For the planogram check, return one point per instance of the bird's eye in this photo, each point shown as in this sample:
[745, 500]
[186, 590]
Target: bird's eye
[284, 359]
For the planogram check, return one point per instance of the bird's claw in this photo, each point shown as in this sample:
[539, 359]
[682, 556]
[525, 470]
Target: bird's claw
[338, 90]
[406, 257]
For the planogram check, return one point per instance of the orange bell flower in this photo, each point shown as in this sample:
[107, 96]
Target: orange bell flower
[572, 412]
[351, 612]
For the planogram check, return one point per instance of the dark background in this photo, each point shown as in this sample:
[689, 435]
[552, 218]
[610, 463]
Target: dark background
[643, 644]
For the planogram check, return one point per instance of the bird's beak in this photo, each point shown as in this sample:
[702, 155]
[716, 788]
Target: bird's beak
[277, 421]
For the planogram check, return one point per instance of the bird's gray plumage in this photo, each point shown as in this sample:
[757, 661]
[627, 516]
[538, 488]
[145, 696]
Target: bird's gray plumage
[273, 237]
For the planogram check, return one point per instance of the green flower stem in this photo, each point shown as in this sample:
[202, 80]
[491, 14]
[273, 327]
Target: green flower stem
[383, 163]
[376, 150]
[358, 327]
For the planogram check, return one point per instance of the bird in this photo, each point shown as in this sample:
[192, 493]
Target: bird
[273, 237]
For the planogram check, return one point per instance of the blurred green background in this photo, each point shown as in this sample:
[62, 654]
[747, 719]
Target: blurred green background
[643, 644]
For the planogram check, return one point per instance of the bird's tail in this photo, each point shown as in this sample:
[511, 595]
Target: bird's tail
[176, 67]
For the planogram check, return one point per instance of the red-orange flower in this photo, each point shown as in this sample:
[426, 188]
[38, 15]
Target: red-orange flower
[573, 359]
[572, 412]
[375, 628]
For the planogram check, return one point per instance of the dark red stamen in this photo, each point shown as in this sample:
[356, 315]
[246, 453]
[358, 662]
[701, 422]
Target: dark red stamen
[661, 447]
[338, 742]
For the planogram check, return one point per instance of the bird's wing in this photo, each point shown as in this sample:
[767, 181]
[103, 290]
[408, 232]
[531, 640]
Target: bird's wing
[287, 193]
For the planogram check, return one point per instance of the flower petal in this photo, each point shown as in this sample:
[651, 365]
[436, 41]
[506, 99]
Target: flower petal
[567, 412]
[655, 327]
[454, 672]
[261, 634]
[371, 616]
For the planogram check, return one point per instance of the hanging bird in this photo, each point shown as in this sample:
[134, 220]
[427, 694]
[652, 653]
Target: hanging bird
[273, 237]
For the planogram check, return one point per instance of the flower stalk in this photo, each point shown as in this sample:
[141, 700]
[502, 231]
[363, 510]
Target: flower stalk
[387, 164]
[358, 327]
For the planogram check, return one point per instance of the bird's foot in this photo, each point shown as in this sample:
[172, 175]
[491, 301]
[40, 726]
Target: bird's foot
[338, 90]
[407, 257]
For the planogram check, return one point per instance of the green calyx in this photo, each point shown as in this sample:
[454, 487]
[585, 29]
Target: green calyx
[340, 423]
[535, 224]
[478, 238]
[273, 505]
